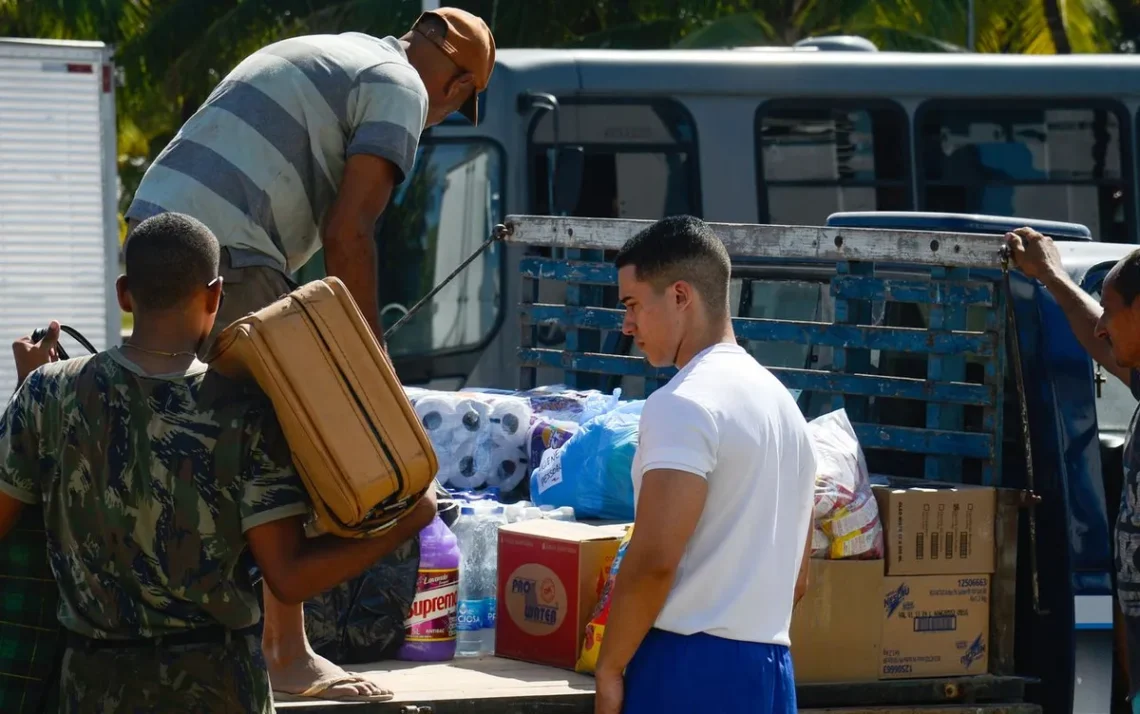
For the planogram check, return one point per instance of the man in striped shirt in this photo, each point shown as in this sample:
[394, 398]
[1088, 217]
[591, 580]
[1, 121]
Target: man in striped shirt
[299, 148]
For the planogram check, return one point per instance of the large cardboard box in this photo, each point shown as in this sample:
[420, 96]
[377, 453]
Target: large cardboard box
[935, 626]
[940, 529]
[837, 627]
[548, 587]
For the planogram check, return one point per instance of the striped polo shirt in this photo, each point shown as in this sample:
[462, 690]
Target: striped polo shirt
[261, 160]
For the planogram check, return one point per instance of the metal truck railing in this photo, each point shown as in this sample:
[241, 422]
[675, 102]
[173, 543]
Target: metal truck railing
[947, 274]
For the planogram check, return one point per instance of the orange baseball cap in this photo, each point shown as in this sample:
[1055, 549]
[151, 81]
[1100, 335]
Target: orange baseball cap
[470, 45]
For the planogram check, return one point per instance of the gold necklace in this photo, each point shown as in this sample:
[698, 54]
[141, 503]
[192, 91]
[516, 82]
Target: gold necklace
[159, 352]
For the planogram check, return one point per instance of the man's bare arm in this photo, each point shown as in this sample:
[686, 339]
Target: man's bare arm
[668, 509]
[805, 566]
[1083, 313]
[297, 568]
[349, 231]
[1036, 256]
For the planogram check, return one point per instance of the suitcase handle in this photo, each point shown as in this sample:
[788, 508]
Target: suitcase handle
[499, 233]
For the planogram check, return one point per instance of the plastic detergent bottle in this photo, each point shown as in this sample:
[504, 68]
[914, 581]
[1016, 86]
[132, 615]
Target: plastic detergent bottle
[429, 631]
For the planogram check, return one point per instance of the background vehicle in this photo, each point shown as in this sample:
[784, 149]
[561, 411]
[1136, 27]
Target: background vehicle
[784, 136]
[59, 231]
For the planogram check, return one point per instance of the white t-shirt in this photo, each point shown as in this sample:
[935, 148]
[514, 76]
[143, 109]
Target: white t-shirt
[727, 419]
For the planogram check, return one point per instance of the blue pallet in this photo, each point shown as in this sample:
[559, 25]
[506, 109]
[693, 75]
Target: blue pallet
[941, 436]
[824, 334]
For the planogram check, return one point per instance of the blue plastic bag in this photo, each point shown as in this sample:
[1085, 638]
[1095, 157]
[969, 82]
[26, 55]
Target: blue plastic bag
[591, 472]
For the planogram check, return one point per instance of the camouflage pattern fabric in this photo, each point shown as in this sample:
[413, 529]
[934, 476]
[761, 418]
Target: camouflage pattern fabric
[148, 485]
[362, 620]
[191, 679]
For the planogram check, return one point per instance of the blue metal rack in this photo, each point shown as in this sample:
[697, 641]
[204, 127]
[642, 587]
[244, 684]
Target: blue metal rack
[948, 273]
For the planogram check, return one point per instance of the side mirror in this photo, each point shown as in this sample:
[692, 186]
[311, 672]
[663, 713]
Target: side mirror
[570, 166]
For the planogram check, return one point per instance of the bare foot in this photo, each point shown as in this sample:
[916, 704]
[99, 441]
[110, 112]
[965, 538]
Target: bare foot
[310, 675]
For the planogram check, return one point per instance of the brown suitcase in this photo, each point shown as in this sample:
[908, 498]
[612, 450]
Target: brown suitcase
[356, 441]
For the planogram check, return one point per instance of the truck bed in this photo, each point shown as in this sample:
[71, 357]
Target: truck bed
[489, 685]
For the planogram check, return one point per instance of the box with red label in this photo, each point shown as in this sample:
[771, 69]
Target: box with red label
[548, 585]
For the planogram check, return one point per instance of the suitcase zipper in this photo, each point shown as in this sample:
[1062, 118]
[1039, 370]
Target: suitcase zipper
[360, 405]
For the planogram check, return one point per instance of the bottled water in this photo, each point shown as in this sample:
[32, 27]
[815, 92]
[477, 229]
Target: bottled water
[470, 616]
[489, 533]
[477, 531]
[564, 513]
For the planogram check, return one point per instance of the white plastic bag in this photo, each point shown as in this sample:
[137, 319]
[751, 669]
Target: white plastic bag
[847, 524]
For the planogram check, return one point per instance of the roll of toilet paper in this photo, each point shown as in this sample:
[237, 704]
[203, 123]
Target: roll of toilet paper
[440, 419]
[472, 416]
[509, 473]
[510, 421]
[469, 476]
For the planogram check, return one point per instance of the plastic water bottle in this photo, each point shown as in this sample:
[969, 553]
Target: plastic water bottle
[472, 608]
[489, 531]
[564, 513]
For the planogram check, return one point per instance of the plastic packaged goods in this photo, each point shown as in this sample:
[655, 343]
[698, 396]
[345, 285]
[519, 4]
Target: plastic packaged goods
[591, 471]
[480, 439]
[477, 531]
[846, 516]
[596, 627]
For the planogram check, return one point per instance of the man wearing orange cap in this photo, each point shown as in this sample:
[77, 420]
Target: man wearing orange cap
[300, 147]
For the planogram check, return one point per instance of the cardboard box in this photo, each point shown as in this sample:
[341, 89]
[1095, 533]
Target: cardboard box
[940, 529]
[837, 626]
[935, 626]
[548, 587]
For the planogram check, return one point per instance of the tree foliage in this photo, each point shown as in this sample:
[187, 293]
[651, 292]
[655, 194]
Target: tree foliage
[173, 52]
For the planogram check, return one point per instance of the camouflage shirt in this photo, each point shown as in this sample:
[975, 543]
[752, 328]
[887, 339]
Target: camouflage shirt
[148, 485]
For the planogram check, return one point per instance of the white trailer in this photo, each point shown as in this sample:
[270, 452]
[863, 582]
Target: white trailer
[59, 231]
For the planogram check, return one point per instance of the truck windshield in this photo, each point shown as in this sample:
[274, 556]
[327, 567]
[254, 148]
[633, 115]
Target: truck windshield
[435, 219]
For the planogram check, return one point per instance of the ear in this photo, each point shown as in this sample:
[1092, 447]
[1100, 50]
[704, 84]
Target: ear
[682, 294]
[460, 87]
[214, 295]
[124, 295]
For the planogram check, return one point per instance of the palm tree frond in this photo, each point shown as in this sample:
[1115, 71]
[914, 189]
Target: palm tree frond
[740, 30]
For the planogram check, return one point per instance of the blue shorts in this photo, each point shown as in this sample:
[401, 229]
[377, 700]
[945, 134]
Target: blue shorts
[707, 674]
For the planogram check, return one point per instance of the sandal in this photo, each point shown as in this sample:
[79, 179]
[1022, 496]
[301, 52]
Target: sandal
[315, 691]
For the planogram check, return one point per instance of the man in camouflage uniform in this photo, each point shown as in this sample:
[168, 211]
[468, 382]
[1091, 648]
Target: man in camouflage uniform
[154, 475]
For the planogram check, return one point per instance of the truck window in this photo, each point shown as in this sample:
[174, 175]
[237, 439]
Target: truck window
[817, 157]
[641, 157]
[436, 218]
[1054, 161]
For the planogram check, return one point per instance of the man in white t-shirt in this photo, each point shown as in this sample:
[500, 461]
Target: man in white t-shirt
[723, 481]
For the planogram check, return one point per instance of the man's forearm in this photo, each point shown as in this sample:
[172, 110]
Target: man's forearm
[325, 562]
[350, 254]
[639, 593]
[1082, 312]
[1079, 307]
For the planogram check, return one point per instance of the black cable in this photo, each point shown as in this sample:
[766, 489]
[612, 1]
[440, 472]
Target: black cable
[59, 351]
